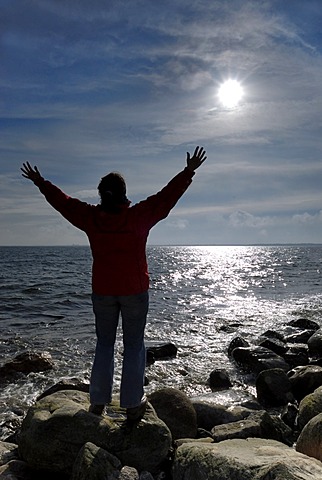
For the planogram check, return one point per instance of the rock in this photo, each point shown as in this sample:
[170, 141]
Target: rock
[297, 355]
[95, 463]
[257, 359]
[309, 407]
[289, 415]
[175, 409]
[16, 470]
[218, 380]
[251, 459]
[235, 343]
[315, 343]
[8, 451]
[229, 328]
[310, 439]
[161, 351]
[258, 424]
[304, 323]
[305, 380]
[25, 363]
[146, 476]
[210, 415]
[273, 334]
[274, 388]
[299, 337]
[274, 344]
[66, 384]
[128, 473]
[57, 426]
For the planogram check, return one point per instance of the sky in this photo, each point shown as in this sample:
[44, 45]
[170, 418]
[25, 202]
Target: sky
[131, 86]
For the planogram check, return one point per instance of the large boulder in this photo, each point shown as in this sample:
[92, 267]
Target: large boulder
[95, 463]
[304, 323]
[275, 344]
[8, 451]
[256, 359]
[309, 407]
[175, 409]
[310, 439]
[210, 414]
[251, 459]
[259, 424]
[305, 380]
[315, 344]
[299, 337]
[65, 384]
[274, 388]
[297, 355]
[58, 426]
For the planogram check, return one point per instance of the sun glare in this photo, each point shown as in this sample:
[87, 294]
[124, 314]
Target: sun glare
[230, 93]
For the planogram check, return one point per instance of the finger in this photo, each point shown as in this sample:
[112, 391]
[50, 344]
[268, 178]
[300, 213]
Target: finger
[195, 154]
[188, 156]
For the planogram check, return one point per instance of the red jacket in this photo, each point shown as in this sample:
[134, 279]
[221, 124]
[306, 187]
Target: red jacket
[118, 241]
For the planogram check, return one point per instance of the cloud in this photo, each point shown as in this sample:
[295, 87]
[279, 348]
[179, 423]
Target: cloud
[131, 86]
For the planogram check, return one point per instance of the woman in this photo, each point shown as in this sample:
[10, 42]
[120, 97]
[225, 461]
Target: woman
[117, 234]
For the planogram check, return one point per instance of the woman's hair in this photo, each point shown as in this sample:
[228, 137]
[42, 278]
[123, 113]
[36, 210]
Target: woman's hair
[112, 190]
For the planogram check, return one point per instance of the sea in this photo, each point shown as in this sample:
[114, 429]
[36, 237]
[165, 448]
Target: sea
[201, 297]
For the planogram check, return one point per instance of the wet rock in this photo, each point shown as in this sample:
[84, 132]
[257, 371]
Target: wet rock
[66, 384]
[274, 388]
[175, 409]
[218, 380]
[93, 463]
[310, 439]
[239, 459]
[256, 359]
[304, 324]
[315, 344]
[258, 424]
[305, 380]
[273, 334]
[277, 346]
[299, 337]
[161, 351]
[297, 355]
[25, 363]
[57, 426]
[309, 407]
[210, 415]
[235, 343]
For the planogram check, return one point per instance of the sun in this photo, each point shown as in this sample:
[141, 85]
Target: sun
[230, 93]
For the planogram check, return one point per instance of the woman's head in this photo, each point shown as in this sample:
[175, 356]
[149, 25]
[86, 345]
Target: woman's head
[112, 190]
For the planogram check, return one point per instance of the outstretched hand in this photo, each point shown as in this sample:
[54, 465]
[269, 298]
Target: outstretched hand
[32, 174]
[199, 156]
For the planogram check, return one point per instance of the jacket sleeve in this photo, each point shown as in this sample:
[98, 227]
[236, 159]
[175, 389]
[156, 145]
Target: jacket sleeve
[74, 210]
[158, 206]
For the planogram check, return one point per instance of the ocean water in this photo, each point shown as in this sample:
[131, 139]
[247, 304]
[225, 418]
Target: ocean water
[200, 298]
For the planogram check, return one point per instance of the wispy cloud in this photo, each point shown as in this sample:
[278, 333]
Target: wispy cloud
[90, 87]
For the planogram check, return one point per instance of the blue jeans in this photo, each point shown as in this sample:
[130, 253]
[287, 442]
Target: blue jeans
[133, 310]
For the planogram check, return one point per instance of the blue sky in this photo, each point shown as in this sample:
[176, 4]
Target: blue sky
[90, 87]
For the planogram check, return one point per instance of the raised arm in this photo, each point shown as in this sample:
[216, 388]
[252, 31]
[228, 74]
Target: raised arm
[194, 162]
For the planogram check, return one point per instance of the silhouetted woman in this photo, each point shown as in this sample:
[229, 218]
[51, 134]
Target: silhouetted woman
[117, 234]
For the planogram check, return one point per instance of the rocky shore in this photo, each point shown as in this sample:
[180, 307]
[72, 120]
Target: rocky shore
[277, 435]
